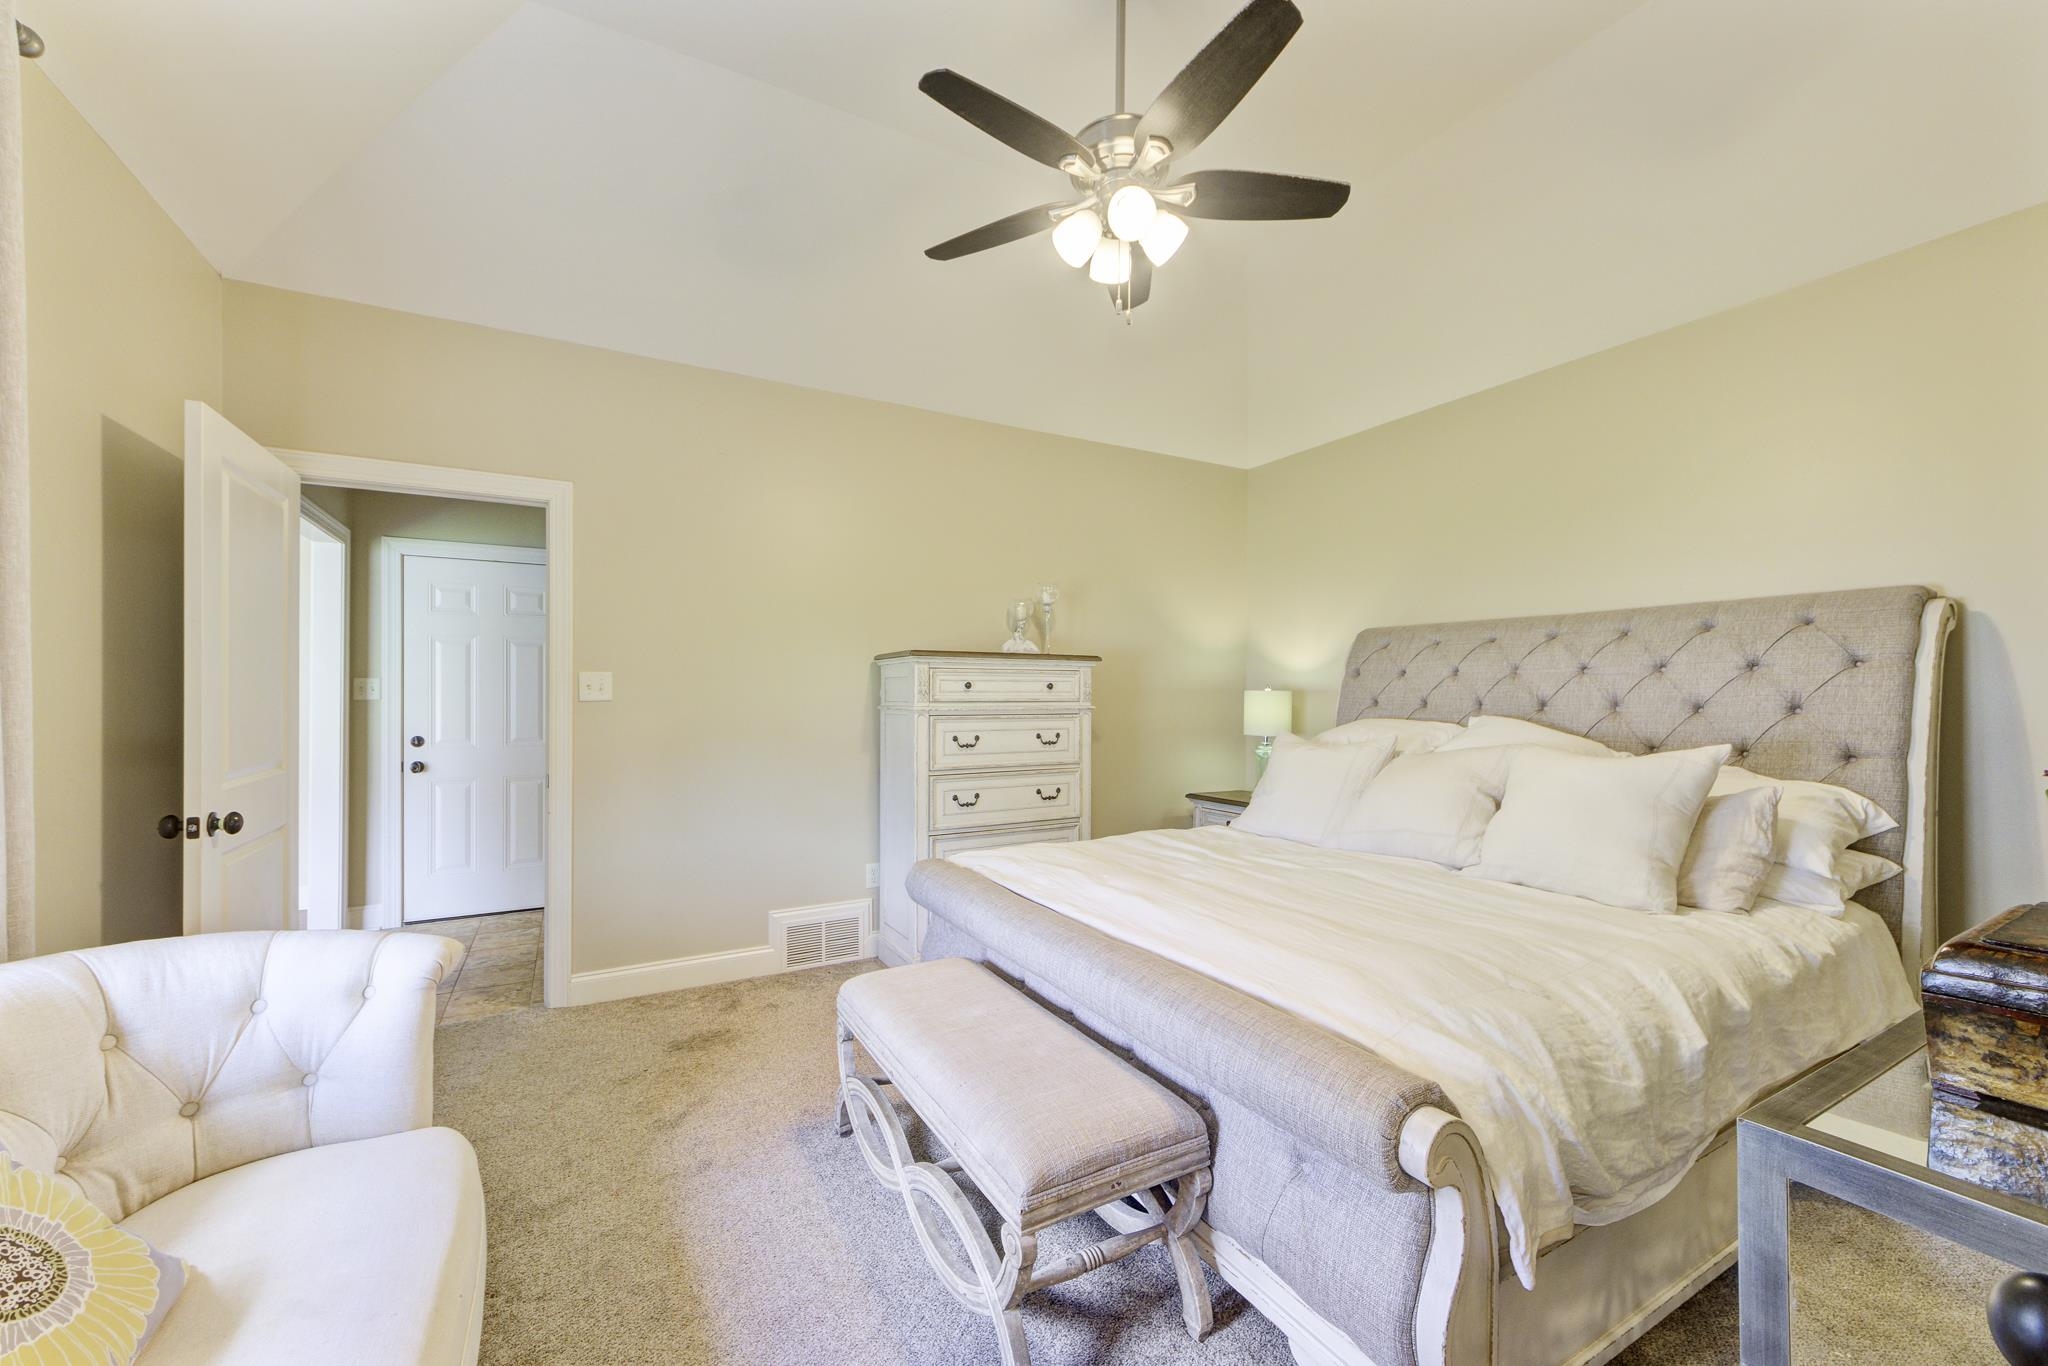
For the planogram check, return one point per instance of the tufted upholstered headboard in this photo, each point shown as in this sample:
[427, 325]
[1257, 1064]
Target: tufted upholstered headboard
[1834, 687]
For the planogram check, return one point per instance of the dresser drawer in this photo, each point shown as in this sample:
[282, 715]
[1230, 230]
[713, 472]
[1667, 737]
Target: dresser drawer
[974, 742]
[948, 845]
[963, 803]
[967, 684]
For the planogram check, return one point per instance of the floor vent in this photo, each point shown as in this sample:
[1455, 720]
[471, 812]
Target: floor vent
[813, 936]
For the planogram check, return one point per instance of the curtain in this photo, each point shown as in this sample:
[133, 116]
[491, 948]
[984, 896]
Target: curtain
[17, 845]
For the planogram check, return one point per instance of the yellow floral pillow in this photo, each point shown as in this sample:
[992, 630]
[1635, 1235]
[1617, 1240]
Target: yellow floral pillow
[73, 1288]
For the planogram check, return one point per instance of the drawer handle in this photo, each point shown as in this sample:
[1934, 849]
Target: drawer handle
[1048, 687]
[1045, 796]
[967, 744]
[969, 685]
[964, 805]
[1043, 741]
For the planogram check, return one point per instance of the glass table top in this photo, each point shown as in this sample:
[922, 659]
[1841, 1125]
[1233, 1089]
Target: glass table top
[1888, 1113]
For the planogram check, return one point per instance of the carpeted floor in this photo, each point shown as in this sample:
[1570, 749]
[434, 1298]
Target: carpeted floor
[664, 1187]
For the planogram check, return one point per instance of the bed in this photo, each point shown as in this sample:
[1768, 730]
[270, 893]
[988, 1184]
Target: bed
[1355, 1200]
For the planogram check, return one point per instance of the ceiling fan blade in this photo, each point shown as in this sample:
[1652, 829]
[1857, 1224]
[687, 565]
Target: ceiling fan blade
[1260, 194]
[1141, 278]
[1221, 74]
[1004, 120]
[1026, 223]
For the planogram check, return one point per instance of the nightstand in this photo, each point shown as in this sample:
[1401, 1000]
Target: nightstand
[1218, 808]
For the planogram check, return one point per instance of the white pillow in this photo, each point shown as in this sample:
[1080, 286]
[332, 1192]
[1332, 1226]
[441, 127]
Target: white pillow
[1432, 806]
[1817, 822]
[1730, 853]
[1611, 832]
[1485, 732]
[1306, 785]
[1410, 737]
[1855, 870]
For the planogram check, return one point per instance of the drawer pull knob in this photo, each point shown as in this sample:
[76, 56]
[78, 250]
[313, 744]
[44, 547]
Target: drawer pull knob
[967, 744]
[964, 805]
[1048, 687]
[1043, 741]
[969, 685]
[1051, 796]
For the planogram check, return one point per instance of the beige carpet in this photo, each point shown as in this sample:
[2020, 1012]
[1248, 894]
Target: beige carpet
[664, 1187]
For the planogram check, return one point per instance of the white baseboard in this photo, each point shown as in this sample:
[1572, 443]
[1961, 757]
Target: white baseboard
[708, 969]
[674, 974]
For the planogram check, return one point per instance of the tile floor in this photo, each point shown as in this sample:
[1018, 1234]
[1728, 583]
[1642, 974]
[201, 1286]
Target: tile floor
[500, 970]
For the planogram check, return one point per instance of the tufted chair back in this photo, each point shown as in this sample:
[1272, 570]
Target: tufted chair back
[135, 1069]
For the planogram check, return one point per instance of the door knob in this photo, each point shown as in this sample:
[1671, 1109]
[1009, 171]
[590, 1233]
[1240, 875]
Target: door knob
[417, 741]
[233, 823]
[418, 767]
[170, 827]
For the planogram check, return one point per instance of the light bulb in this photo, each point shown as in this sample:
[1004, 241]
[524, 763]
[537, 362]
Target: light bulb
[1075, 237]
[1131, 211]
[1111, 264]
[1164, 237]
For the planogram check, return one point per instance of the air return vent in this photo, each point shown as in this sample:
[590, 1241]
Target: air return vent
[812, 936]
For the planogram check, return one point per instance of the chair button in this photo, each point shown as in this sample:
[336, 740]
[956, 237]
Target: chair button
[109, 1043]
[258, 1007]
[189, 1109]
[310, 1078]
[62, 1162]
[368, 992]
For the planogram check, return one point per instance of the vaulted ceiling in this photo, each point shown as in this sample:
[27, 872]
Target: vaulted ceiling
[749, 187]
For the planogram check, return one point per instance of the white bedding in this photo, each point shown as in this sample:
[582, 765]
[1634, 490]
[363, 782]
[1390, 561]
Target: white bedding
[1594, 1050]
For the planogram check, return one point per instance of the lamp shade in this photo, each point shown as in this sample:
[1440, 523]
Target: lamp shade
[1268, 712]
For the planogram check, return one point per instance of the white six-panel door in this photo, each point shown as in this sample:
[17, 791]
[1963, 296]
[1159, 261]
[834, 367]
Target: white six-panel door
[475, 754]
[241, 679]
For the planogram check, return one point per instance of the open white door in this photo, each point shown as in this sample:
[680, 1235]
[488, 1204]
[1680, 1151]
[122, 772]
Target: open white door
[241, 679]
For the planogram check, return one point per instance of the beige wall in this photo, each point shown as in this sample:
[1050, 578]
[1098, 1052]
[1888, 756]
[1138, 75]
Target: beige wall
[124, 324]
[743, 550]
[371, 517]
[1886, 425]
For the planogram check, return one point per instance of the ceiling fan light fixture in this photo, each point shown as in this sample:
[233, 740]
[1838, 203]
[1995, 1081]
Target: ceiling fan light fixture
[1111, 264]
[1131, 211]
[1163, 238]
[1076, 236]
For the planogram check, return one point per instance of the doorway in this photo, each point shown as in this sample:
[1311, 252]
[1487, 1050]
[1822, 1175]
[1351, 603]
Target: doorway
[509, 536]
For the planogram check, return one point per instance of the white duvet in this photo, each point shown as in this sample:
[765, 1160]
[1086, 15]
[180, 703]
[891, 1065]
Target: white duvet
[1595, 1051]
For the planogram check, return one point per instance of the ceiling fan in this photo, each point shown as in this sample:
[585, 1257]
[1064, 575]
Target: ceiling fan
[1132, 203]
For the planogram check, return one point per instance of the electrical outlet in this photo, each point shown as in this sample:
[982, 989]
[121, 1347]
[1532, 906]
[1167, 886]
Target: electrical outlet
[594, 687]
[367, 690]
[874, 875]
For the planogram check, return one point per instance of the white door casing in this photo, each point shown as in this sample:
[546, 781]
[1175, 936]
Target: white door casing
[241, 678]
[322, 842]
[558, 498]
[474, 681]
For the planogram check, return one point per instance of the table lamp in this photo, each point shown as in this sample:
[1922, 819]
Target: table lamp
[1267, 712]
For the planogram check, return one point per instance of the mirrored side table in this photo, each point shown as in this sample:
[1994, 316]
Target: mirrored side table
[1857, 1130]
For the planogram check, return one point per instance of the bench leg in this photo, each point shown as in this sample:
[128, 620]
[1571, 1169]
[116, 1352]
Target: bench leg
[1180, 1218]
[844, 1123]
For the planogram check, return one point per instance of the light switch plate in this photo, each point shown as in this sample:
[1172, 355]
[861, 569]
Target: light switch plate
[367, 690]
[593, 687]
[874, 875]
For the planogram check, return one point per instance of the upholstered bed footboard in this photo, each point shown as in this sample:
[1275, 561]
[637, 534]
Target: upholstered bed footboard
[1307, 1126]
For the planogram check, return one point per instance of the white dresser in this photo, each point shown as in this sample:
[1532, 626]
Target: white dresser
[977, 750]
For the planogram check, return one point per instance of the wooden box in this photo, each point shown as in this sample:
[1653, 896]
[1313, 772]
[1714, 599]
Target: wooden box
[1986, 1000]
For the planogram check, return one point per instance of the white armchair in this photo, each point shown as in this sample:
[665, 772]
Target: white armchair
[258, 1105]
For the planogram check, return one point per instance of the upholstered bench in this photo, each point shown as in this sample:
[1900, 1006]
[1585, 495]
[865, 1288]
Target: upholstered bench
[1046, 1123]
